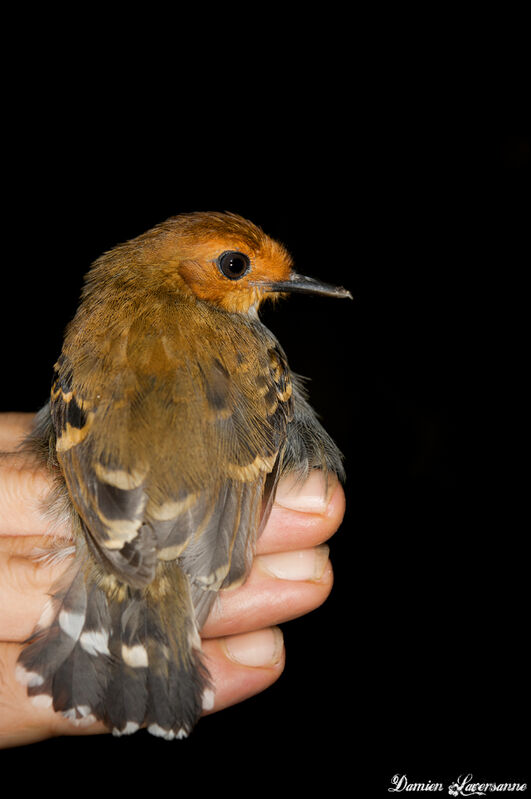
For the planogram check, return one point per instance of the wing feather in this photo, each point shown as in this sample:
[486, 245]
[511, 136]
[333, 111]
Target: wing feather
[180, 464]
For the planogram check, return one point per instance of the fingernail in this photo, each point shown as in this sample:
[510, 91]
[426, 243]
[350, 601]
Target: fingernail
[305, 564]
[312, 496]
[260, 648]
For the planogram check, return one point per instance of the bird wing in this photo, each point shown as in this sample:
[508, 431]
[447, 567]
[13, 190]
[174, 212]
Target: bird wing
[172, 453]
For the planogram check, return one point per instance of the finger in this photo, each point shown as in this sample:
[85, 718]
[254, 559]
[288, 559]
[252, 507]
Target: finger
[25, 585]
[280, 587]
[25, 545]
[303, 515]
[24, 488]
[243, 665]
[14, 427]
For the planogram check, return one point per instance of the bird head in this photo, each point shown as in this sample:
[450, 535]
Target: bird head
[220, 258]
[228, 261]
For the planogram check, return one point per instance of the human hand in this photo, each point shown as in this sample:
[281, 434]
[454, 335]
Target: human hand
[244, 651]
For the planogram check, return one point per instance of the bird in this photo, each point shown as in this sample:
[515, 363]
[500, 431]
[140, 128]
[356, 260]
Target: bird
[172, 416]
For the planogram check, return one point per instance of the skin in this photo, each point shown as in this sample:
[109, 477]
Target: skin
[291, 576]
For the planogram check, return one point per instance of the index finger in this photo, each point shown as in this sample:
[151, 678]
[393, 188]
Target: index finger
[13, 429]
[24, 483]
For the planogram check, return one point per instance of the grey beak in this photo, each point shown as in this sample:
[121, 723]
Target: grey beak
[306, 285]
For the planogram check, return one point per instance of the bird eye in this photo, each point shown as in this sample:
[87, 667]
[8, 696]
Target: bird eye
[234, 265]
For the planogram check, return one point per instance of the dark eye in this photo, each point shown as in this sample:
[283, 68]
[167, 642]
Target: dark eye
[234, 265]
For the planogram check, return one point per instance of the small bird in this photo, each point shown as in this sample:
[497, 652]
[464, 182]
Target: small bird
[172, 416]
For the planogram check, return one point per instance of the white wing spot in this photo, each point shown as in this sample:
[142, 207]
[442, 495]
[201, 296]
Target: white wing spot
[42, 700]
[79, 716]
[160, 732]
[129, 729]
[95, 643]
[170, 510]
[135, 656]
[29, 678]
[119, 478]
[71, 623]
[208, 699]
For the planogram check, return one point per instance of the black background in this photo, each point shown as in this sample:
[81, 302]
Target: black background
[417, 662]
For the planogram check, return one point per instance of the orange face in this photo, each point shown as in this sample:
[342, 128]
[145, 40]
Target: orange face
[231, 275]
[233, 272]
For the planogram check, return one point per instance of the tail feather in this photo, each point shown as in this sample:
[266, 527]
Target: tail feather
[48, 649]
[127, 693]
[162, 712]
[79, 686]
[178, 682]
[128, 657]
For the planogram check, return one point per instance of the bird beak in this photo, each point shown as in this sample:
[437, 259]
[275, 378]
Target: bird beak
[306, 285]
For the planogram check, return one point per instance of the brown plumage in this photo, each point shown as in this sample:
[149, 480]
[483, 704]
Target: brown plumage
[172, 415]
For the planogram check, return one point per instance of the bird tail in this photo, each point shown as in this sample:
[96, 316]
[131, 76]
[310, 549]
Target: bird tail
[127, 657]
